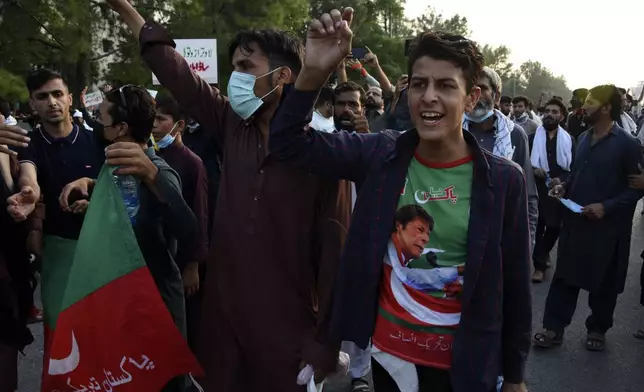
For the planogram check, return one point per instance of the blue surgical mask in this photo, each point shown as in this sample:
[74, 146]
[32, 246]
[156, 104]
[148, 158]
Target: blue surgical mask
[479, 120]
[168, 139]
[241, 93]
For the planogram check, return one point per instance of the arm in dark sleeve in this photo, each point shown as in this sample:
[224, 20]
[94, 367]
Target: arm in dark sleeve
[631, 158]
[522, 158]
[339, 155]
[517, 301]
[95, 125]
[200, 101]
[332, 220]
[196, 250]
[176, 213]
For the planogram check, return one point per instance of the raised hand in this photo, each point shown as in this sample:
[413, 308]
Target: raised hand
[83, 94]
[328, 41]
[370, 58]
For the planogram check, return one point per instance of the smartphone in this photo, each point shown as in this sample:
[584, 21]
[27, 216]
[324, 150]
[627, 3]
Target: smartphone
[359, 53]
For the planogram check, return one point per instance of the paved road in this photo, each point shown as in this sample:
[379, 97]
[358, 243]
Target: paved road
[570, 368]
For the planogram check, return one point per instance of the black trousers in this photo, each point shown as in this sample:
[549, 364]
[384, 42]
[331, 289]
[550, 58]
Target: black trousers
[546, 238]
[429, 379]
[562, 302]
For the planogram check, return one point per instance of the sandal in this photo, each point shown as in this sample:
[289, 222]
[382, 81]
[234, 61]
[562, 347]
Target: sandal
[595, 341]
[639, 334]
[537, 277]
[547, 339]
[360, 385]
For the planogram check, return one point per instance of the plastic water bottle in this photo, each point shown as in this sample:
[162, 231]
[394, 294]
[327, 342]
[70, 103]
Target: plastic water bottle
[129, 187]
[548, 180]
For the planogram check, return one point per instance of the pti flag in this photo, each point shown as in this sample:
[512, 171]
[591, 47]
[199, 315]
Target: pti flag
[106, 326]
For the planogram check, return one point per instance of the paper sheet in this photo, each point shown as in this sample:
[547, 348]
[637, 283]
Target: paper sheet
[571, 205]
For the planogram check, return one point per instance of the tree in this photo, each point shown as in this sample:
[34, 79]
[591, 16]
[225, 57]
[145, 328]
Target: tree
[12, 87]
[535, 81]
[84, 38]
[58, 35]
[432, 20]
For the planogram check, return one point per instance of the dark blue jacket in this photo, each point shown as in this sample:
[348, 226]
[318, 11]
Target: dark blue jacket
[493, 337]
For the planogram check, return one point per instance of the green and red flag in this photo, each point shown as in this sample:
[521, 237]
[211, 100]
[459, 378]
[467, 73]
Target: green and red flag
[106, 326]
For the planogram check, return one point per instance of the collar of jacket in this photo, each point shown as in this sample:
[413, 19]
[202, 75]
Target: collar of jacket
[407, 141]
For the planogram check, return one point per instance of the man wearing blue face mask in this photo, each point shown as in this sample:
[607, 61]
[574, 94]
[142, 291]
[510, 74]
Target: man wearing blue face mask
[169, 123]
[497, 133]
[277, 231]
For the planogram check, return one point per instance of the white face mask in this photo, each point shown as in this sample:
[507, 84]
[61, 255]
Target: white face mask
[168, 139]
[241, 93]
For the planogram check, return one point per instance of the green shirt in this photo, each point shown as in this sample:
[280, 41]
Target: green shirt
[444, 192]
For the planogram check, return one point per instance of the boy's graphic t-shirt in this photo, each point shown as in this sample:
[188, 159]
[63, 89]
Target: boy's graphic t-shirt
[419, 301]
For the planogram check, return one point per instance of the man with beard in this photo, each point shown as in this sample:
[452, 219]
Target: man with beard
[626, 120]
[374, 104]
[277, 230]
[520, 105]
[552, 152]
[348, 108]
[497, 133]
[594, 245]
[505, 106]
[576, 124]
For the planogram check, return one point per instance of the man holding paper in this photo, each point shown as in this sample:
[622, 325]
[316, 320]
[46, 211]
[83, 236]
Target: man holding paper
[594, 245]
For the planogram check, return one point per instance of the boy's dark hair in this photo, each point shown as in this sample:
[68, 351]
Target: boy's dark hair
[558, 102]
[40, 77]
[506, 99]
[455, 48]
[608, 94]
[138, 110]
[408, 213]
[281, 48]
[5, 108]
[166, 104]
[326, 96]
[621, 90]
[349, 86]
[521, 98]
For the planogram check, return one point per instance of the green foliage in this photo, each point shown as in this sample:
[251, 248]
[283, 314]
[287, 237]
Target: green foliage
[12, 87]
[76, 36]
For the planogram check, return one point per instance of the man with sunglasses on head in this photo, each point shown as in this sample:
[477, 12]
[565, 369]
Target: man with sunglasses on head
[162, 220]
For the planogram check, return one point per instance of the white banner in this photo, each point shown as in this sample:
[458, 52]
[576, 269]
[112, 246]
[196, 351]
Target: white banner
[201, 55]
[94, 98]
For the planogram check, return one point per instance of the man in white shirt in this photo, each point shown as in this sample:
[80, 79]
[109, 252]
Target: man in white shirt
[323, 115]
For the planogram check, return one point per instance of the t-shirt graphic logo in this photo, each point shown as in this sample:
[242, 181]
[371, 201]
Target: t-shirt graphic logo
[439, 194]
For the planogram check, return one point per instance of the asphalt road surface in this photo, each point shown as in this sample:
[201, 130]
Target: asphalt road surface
[569, 368]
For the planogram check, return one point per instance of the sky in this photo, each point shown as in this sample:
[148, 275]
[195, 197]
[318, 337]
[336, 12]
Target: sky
[544, 30]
